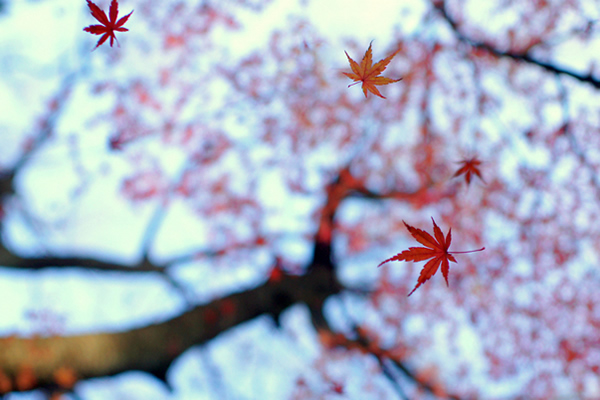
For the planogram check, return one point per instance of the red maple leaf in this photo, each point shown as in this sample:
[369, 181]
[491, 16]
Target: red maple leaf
[368, 73]
[109, 26]
[469, 166]
[436, 249]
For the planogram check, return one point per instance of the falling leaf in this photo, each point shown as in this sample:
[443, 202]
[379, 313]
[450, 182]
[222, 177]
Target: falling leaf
[469, 167]
[368, 74]
[108, 27]
[436, 249]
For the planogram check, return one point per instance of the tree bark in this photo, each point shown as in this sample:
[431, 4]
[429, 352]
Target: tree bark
[153, 347]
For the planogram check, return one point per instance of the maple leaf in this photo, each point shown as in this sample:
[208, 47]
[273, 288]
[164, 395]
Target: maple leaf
[469, 167]
[109, 26]
[368, 74]
[436, 249]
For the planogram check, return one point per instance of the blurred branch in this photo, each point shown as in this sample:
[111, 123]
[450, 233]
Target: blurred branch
[384, 357]
[440, 5]
[153, 227]
[575, 147]
[11, 260]
[48, 122]
[7, 182]
[153, 347]
[160, 214]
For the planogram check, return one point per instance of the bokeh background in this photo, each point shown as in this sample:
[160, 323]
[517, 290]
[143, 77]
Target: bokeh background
[217, 151]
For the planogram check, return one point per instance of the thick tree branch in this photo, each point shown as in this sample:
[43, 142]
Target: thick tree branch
[154, 347]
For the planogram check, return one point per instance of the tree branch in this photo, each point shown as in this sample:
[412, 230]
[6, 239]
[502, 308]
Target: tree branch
[11, 260]
[153, 347]
[440, 5]
[383, 356]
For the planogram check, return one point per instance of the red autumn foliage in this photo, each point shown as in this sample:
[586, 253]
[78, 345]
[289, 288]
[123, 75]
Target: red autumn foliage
[276, 275]
[436, 249]
[337, 388]
[108, 26]
[469, 167]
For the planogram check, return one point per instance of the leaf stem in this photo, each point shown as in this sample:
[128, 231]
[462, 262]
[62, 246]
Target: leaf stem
[465, 252]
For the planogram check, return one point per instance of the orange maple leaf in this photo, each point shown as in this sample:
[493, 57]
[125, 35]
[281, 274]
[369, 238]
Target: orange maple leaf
[436, 249]
[469, 167]
[368, 73]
